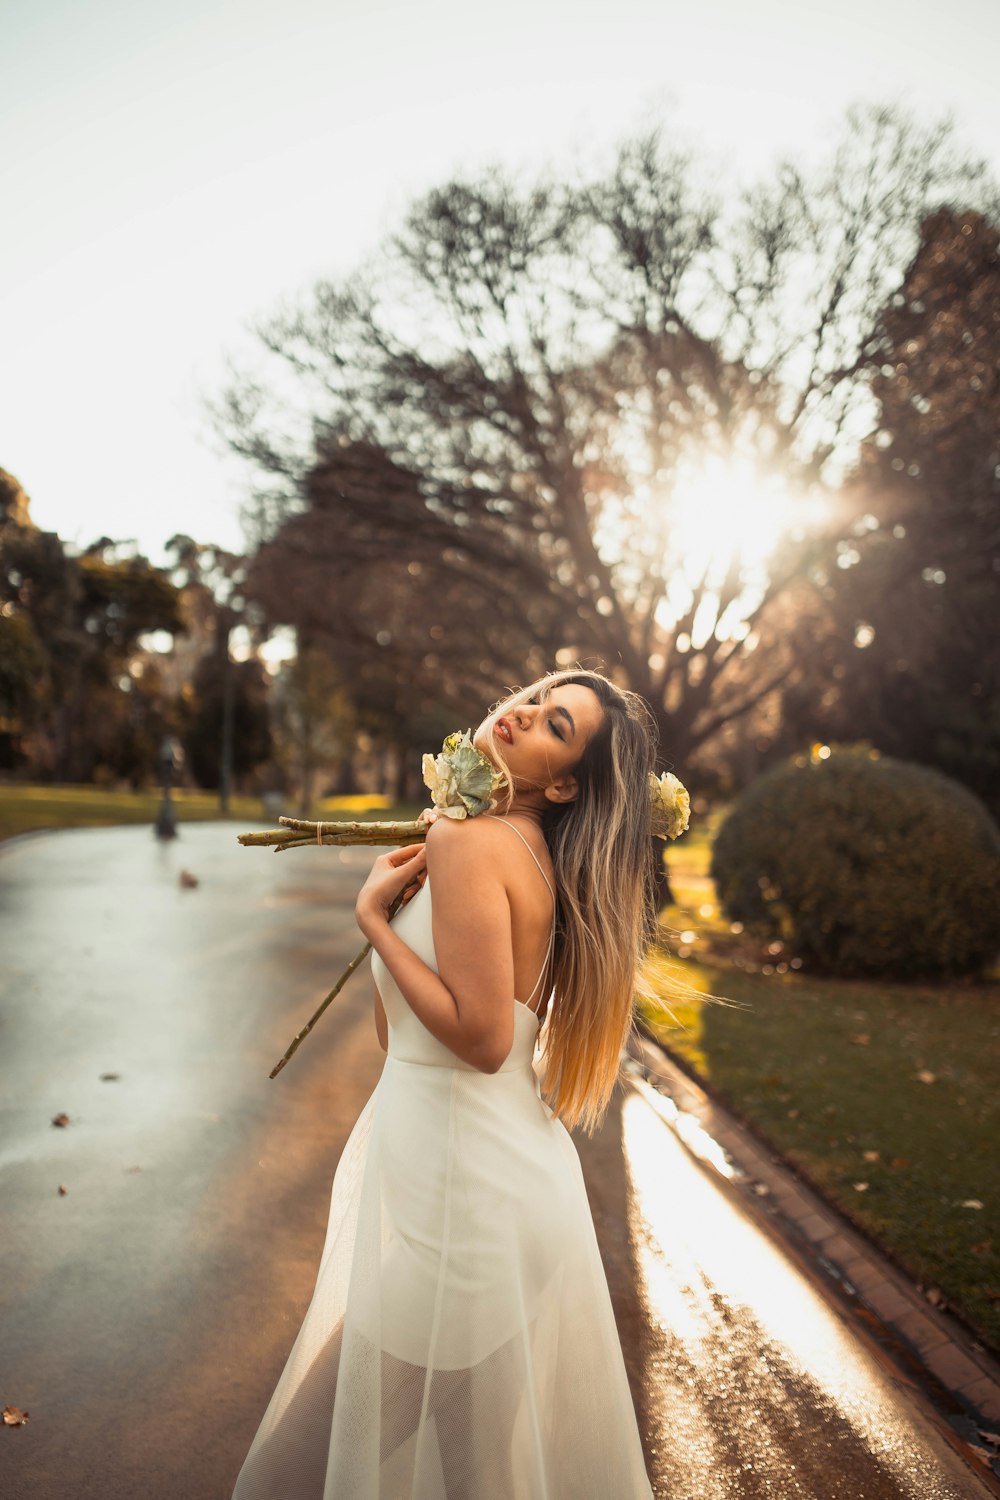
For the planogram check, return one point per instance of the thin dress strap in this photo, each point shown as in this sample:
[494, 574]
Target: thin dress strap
[552, 934]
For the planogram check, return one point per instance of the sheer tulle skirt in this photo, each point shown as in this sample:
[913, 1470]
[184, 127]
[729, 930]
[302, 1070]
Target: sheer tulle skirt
[460, 1340]
[460, 1343]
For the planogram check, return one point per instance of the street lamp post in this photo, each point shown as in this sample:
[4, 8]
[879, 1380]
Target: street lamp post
[170, 761]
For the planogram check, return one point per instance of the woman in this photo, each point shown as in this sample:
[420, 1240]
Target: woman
[460, 1343]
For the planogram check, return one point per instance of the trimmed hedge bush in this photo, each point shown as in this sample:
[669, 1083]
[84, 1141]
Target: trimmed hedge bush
[864, 866]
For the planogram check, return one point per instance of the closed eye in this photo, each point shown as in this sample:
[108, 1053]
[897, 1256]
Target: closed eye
[552, 724]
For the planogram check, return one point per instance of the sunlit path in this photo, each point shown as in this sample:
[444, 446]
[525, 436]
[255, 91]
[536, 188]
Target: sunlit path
[756, 1386]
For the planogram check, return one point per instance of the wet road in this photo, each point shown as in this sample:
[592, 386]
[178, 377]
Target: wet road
[145, 1315]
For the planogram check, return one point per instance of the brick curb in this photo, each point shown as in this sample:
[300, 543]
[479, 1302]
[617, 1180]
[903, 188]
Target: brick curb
[930, 1351]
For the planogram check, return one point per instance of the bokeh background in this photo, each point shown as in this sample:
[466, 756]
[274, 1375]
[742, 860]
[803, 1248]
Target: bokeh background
[360, 362]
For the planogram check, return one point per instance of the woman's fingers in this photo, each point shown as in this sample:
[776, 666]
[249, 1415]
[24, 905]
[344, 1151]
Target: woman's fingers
[407, 852]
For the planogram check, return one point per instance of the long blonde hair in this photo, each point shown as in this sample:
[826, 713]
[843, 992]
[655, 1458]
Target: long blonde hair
[606, 907]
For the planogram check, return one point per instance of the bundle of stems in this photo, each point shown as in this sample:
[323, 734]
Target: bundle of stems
[359, 958]
[298, 832]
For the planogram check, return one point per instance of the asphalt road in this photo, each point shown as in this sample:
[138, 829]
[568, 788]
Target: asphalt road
[146, 1313]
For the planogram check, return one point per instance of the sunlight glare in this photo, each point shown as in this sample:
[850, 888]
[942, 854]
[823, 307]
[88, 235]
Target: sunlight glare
[724, 509]
[730, 1301]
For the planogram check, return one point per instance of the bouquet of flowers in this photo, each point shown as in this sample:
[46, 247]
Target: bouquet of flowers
[461, 781]
[670, 806]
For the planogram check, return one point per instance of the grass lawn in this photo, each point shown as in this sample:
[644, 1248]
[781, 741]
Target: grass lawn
[24, 809]
[884, 1096]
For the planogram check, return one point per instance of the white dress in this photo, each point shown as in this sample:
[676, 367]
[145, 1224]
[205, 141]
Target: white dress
[460, 1343]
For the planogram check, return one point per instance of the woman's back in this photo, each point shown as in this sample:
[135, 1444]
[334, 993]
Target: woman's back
[532, 917]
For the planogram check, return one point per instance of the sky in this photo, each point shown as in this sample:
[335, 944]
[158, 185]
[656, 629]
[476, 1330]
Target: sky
[169, 172]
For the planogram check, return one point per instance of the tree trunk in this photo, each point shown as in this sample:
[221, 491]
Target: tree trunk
[226, 758]
[661, 876]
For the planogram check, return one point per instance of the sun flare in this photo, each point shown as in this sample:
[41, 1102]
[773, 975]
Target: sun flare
[720, 514]
[726, 508]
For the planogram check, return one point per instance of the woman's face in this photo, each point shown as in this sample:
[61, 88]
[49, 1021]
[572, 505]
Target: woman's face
[542, 739]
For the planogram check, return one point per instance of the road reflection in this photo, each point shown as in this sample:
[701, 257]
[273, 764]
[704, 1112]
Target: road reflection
[755, 1387]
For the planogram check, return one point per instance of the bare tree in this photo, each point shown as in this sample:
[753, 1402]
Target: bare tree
[515, 396]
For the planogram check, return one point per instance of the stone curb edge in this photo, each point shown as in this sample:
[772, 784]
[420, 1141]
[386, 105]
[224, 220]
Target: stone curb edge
[957, 1381]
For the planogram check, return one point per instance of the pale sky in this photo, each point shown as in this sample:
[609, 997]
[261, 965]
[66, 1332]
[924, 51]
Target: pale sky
[169, 171]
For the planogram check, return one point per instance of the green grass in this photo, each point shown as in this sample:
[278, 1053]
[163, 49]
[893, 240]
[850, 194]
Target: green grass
[827, 1070]
[25, 809]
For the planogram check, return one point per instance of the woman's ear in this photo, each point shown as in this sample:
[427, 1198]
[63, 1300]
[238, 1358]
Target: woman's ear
[563, 789]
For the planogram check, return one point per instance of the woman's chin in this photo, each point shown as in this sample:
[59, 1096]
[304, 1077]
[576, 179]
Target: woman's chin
[483, 741]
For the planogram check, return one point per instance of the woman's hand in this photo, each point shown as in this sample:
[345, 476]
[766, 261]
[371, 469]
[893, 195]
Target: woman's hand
[389, 875]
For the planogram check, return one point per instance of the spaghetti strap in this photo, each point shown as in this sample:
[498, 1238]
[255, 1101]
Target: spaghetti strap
[552, 934]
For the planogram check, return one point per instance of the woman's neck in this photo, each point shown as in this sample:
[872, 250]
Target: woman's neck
[522, 807]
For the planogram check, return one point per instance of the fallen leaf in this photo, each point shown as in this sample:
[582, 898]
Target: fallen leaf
[13, 1416]
[992, 1293]
[989, 1437]
[861, 1187]
[188, 881]
[133, 1169]
[925, 1076]
[983, 1248]
[793, 1114]
[110, 1077]
[934, 1296]
[871, 1155]
[60, 1119]
[981, 1453]
[899, 1161]
[861, 1038]
[972, 1203]
[63, 1190]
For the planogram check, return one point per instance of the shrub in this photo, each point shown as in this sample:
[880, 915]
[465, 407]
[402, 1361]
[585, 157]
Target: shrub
[864, 866]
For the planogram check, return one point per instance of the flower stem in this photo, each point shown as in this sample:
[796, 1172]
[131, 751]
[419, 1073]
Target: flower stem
[358, 959]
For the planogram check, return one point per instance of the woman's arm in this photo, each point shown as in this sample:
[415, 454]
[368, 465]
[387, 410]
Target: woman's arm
[468, 1006]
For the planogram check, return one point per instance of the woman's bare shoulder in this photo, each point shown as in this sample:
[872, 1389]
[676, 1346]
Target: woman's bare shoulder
[460, 835]
[464, 854]
[482, 838]
[468, 839]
